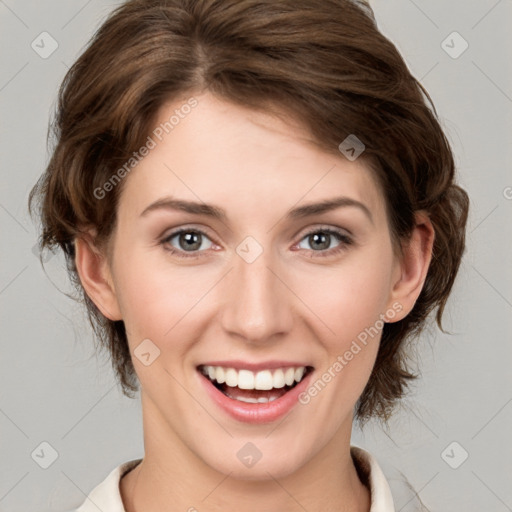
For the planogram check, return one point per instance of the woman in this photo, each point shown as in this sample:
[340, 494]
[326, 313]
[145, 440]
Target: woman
[259, 210]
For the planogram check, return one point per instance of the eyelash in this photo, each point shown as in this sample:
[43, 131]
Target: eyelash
[341, 236]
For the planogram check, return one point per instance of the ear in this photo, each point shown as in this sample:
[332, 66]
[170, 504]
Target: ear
[412, 267]
[95, 276]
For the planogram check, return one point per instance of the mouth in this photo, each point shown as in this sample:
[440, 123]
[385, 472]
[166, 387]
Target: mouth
[255, 387]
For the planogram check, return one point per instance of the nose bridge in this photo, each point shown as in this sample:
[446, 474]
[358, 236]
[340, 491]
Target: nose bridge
[256, 307]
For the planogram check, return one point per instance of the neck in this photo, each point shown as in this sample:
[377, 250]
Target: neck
[171, 473]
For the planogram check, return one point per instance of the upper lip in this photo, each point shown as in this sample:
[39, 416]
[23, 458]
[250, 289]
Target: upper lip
[265, 365]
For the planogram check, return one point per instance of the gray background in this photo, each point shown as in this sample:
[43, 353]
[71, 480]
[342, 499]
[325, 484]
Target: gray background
[53, 389]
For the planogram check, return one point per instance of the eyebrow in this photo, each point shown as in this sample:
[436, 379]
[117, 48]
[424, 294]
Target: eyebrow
[169, 203]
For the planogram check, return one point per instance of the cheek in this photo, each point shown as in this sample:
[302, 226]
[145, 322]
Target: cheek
[351, 297]
[347, 304]
[156, 298]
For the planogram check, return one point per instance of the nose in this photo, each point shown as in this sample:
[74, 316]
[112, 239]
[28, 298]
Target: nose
[257, 305]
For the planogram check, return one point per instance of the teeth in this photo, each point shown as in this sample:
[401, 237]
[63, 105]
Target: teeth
[231, 377]
[289, 376]
[299, 373]
[219, 374]
[244, 379]
[262, 400]
[262, 380]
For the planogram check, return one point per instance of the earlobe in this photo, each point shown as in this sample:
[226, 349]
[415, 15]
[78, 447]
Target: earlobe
[93, 270]
[413, 266]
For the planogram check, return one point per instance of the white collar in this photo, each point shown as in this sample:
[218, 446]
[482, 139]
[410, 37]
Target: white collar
[107, 496]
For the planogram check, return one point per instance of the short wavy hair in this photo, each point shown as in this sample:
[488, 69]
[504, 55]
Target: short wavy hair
[326, 63]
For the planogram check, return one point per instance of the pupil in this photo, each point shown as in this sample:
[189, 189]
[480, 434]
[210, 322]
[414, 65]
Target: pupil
[315, 237]
[191, 240]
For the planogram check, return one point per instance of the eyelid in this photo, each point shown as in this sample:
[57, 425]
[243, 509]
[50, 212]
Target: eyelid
[204, 231]
[329, 228]
[169, 233]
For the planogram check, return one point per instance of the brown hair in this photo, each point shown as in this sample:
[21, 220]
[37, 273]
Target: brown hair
[326, 63]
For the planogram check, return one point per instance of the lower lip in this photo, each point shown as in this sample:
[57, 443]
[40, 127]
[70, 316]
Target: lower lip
[256, 413]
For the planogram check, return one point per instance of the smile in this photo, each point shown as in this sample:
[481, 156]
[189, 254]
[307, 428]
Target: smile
[255, 396]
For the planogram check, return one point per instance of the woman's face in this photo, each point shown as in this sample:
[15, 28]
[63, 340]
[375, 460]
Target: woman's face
[259, 288]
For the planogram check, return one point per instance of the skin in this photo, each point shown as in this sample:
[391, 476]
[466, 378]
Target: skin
[290, 304]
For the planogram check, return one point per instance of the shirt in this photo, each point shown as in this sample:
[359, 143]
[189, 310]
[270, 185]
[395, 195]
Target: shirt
[107, 497]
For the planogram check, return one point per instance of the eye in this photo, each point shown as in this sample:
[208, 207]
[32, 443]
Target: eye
[188, 240]
[192, 241]
[320, 240]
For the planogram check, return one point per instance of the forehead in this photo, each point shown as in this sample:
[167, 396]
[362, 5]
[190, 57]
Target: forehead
[221, 153]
